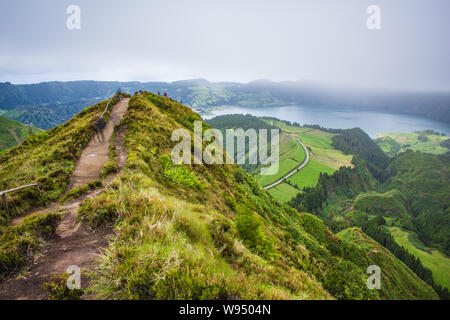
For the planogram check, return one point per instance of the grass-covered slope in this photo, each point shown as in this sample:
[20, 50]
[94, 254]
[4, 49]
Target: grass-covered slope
[12, 132]
[47, 158]
[389, 204]
[431, 258]
[199, 231]
[355, 141]
[397, 280]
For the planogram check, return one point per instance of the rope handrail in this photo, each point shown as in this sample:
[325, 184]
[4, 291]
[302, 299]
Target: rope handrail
[4, 192]
[18, 188]
[109, 101]
[107, 106]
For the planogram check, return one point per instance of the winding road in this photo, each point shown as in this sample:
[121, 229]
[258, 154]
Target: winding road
[293, 171]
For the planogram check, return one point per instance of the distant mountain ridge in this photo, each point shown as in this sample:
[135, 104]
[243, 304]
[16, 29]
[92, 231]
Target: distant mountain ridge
[72, 97]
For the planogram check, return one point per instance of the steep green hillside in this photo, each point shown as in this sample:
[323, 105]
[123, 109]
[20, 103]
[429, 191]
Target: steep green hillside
[12, 132]
[244, 122]
[391, 205]
[357, 142]
[48, 115]
[414, 195]
[394, 274]
[195, 231]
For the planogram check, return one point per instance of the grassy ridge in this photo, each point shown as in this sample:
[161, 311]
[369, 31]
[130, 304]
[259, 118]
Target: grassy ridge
[227, 240]
[394, 274]
[390, 203]
[422, 179]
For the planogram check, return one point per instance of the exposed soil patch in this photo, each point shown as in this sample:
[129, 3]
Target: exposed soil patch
[96, 153]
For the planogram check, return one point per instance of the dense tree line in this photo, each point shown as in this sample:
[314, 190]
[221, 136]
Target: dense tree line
[296, 124]
[431, 132]
[446, 143]
[245, 122]
[357, 142]
[346, 182]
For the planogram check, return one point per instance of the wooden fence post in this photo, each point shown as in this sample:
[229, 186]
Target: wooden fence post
[3, 194]
[5, 203]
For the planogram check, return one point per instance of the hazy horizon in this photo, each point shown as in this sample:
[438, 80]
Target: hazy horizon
[235, 41]
[347, 89]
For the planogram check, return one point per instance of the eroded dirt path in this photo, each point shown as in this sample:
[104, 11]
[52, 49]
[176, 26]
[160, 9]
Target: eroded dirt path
[96, 153]
[74, 242]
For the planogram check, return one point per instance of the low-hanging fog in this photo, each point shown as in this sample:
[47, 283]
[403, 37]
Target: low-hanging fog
[321, 41]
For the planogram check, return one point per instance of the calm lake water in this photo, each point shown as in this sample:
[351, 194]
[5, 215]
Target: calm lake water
[373, 123]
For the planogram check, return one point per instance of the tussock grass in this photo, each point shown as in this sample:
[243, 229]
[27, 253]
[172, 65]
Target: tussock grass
[81, 190]
[18, 244]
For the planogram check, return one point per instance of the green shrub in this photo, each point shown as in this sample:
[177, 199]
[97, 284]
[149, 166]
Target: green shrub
[19, 243]
[97, 212]
[313, 226]
[57, 289]
[111, 166]
[81, 190]
[180, 174]
[248, 225]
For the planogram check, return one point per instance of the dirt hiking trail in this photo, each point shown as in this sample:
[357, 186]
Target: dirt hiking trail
[74, 243]
[96, 153]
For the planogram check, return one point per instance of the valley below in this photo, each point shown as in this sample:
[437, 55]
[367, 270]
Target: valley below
[349, 199]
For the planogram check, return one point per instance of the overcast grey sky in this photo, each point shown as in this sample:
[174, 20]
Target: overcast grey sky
[228, 40]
